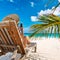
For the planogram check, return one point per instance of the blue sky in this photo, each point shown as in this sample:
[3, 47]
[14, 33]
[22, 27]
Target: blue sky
[26, 9]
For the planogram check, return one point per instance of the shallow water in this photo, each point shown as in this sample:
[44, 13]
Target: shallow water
[56, 35]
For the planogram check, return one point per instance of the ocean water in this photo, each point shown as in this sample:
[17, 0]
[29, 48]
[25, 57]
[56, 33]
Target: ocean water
[56, 35]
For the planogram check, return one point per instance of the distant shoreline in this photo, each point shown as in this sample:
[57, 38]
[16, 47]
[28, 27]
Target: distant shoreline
[53, 35]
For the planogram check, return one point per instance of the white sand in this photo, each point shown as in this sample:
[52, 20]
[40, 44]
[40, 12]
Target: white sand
[47, 49]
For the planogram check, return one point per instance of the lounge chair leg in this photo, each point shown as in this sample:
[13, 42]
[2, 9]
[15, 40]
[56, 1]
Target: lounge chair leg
[14, 55]
[35, 49]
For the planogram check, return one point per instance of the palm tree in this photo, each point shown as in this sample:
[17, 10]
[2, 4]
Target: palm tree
[50, 22]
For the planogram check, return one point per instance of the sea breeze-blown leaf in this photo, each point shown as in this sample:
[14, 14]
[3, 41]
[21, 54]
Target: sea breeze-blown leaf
[54, 17]
[52, 21]
[55, 7]
[45, 19]
[49, 18]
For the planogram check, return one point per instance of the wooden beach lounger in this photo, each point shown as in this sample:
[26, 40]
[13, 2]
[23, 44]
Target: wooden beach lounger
[10, 39]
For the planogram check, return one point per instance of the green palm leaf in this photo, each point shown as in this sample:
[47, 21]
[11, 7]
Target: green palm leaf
[55, 7]
[52, 21]
[51, 1]
[45, 19]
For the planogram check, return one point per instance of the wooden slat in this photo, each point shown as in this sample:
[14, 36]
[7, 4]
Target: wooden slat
[8, 36]
[4, 24]
[6, 48]
[1, 42]
[5, 36]
[13, 35]
[10, 46]
[3, 39]
[9, 39]
[17, 36]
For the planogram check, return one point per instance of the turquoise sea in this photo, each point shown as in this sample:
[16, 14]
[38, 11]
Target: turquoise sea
[44, 35]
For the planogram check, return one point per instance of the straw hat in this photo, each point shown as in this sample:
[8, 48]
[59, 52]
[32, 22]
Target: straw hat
[12, 17]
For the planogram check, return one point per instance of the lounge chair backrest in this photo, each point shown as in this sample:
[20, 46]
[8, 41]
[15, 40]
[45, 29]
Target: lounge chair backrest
[10, 36]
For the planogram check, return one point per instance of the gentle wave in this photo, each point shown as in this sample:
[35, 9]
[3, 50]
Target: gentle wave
[56, 35]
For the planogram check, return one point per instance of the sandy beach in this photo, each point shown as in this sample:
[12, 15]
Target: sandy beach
[47, 49]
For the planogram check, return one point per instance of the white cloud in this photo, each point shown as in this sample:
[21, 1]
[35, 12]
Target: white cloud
[45, 12]
[11, 0]
[57, 11]
[34, 18]
[59, 0]
[49, 11]
[32, 4]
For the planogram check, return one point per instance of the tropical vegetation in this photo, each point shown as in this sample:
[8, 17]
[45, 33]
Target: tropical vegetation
[51, 24]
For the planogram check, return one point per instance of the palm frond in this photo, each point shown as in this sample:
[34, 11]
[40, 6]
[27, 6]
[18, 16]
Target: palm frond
[54, 17]
[45, 19]
[55, 7]
[52, 21]
[51, 1]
